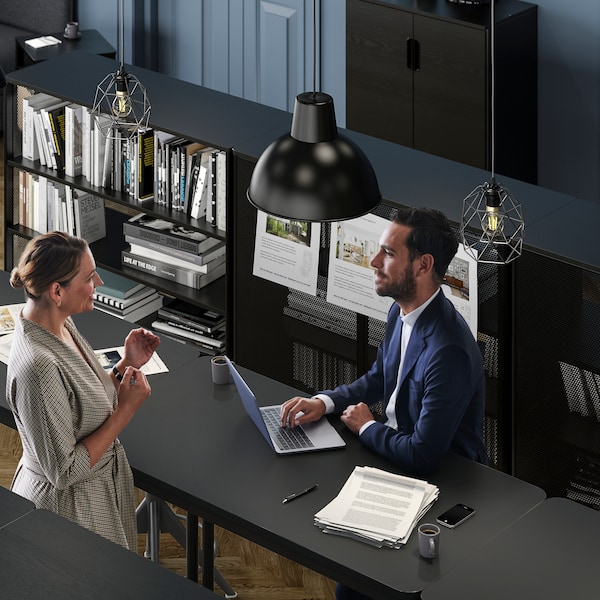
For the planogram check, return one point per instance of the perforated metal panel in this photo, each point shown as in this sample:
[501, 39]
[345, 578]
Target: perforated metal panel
[557, 405]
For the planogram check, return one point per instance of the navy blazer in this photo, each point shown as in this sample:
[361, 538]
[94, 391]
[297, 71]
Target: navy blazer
[441, 402]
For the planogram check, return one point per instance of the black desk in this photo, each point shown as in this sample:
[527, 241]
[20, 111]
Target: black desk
[191, 443]
[550, 553]
[90, 41]
[102, 331]
[46, 556]
[13, 506]
[198, 449]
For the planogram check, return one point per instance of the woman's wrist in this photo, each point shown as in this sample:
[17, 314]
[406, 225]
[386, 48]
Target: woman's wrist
[118, 370]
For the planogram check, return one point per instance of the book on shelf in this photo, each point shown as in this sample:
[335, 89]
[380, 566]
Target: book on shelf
[89, 216]
[203, 267]
[73, 140]
[98, 146]
[168, 271]
[182, 312]
[187, 153]
[198, 338]
[212, 190]
[87, 123]
[221, 191]
[30, 148]
[136, 313]
[145, 294]
[217, 335]
[199, 195]
[117, 285]
[144, 189]
[46, 205]
[48, 130]
[167, 234]
[56, 119]
[217, 250]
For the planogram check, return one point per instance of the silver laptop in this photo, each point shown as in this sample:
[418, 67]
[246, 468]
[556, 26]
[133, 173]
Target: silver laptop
[306, 438]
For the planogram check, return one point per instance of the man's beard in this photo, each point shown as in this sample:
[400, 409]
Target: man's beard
[401, 291]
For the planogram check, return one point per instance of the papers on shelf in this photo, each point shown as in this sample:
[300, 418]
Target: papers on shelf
[43, 41]
[377, 507]
[8, 314]
[109, 357]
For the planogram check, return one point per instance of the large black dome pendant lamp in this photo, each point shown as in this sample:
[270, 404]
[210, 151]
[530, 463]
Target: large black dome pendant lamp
[314, 173]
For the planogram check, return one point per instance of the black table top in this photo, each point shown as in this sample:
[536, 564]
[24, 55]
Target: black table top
[13, 506]
[90, 40]
[102, 331]
[550, 553]
[46, 556]
[192, 443]
[199, 449]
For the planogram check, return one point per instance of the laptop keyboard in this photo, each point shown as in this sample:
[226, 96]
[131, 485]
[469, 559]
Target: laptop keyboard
[285, 438]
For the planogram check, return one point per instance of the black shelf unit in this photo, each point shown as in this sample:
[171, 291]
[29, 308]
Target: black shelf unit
[198, 114]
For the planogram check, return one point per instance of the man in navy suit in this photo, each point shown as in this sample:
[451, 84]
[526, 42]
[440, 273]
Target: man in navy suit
[429, 369]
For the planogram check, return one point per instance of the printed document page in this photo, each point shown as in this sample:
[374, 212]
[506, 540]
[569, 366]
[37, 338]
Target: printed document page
[377, 507]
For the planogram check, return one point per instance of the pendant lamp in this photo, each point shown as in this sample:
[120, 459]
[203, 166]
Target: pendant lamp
[121, 102]
[491, 214]
[314, 173]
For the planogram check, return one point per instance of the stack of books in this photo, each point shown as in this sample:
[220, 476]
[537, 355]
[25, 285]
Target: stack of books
[124, 298]
[200, 326]
[166, 250]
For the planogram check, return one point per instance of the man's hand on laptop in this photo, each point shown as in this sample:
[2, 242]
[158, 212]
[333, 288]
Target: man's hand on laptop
[298, 411]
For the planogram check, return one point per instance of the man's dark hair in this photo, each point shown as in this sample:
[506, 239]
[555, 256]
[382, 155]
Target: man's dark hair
[430, 234]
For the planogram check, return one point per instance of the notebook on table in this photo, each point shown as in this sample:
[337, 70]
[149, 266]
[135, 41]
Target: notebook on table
[285, 440]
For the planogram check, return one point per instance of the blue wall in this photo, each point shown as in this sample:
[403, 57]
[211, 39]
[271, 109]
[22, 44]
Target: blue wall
[263, 51]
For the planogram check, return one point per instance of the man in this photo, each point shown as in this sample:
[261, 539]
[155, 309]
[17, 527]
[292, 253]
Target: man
[428, 371]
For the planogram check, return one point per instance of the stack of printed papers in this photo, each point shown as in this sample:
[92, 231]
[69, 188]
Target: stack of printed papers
[377, 507]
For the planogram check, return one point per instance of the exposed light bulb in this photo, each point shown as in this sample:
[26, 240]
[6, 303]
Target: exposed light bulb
[492, 220]
[121, 104]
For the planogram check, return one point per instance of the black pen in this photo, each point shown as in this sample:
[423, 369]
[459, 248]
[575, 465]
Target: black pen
[298, 494]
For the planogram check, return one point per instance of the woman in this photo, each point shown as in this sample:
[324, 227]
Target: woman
[68, 410]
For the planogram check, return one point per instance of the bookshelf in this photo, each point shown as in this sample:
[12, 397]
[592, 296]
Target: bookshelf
[179, 109]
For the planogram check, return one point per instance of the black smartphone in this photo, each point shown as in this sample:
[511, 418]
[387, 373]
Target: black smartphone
[456, 515]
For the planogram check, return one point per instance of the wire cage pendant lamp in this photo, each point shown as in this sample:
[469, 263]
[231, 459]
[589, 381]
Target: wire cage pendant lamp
[492, 226]
[121, 106]
[314, 173]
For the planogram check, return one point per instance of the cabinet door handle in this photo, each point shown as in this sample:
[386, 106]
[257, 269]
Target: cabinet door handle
[412, 54]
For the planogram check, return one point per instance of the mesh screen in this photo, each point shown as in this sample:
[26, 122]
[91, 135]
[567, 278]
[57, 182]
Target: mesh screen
[557, 405]
[318, 369]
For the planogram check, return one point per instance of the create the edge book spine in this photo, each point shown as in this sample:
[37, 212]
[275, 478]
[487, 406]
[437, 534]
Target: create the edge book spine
[170, 272]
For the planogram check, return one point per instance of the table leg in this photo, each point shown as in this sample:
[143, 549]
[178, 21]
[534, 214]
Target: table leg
[192, 547]
[208, 558]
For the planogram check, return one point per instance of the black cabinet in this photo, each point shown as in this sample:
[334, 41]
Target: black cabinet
[418, 74]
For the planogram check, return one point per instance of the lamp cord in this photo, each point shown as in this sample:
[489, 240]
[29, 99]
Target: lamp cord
[493, 88]
[122, 32]
[314, 47]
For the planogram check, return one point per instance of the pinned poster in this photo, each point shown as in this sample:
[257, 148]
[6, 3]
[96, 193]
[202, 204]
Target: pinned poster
[286, 252]
[350, 281]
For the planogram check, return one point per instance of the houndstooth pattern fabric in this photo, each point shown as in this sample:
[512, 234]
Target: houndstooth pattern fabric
[58, 399]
